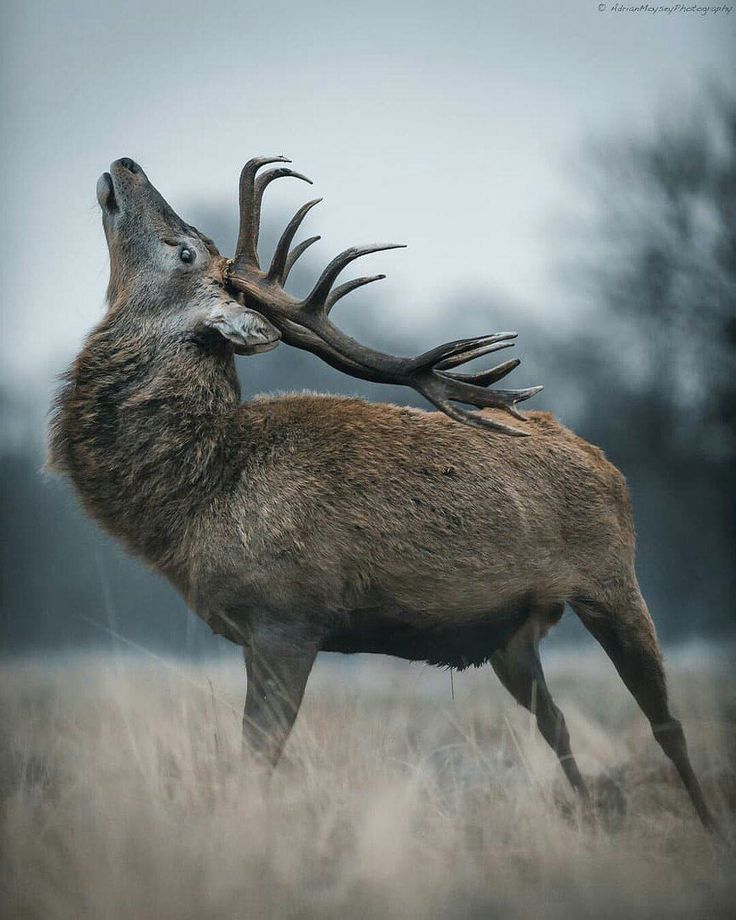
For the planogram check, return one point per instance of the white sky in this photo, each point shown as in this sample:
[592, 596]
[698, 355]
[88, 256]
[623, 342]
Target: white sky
[452, 127]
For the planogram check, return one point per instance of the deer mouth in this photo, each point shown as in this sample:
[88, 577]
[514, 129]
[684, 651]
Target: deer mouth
[106, 194]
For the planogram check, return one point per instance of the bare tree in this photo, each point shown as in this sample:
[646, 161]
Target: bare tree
[663, 269]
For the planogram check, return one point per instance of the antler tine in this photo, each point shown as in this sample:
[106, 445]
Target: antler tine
[452, 354]
[316, 300]
[490, 399]
[498, 341]
[474, 419]
[262, 182]
[278, 270]
[492, 375]
[343, 289]
[245, 251]
[295, 253]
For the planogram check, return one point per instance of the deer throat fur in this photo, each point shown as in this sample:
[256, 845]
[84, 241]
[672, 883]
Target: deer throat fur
[143, 431]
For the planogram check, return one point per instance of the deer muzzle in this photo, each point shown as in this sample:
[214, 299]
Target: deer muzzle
[114, 188]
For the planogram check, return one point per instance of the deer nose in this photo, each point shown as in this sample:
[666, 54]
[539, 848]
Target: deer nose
[127, 163]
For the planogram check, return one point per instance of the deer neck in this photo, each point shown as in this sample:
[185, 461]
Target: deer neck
[143, 428]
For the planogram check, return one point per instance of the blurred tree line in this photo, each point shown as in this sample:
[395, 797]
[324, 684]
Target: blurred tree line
[647, 371]
[661, 273]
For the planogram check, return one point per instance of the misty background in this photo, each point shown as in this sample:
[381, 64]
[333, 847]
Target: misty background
[556, 169]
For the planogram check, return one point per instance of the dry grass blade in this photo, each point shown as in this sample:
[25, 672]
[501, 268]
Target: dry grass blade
[124, 795]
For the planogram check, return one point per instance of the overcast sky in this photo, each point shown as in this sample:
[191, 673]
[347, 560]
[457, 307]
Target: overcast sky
[452, 127]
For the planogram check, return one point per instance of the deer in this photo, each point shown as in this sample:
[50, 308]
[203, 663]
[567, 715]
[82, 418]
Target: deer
[302, 523]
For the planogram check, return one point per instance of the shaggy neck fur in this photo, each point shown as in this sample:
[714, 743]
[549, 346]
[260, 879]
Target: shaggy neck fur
[143, 427]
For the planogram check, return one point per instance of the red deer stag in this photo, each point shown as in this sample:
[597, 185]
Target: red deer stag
[307, 523]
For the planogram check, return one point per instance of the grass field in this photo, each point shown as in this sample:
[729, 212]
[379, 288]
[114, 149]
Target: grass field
[124, 796]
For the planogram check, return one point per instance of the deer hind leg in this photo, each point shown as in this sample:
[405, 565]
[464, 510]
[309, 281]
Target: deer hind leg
[519, 669]
[626, 632]
[277, 674]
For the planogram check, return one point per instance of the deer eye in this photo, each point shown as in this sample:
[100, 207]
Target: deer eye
[186, 254]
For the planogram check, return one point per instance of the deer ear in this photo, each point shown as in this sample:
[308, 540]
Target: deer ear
[248, 331]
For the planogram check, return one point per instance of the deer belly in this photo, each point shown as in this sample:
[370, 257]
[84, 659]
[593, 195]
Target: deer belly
[448, 642]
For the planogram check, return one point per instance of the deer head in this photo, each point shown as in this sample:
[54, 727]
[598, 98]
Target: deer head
[165, 272]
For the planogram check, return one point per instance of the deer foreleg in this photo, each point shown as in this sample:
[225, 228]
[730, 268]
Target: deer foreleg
[277, 673]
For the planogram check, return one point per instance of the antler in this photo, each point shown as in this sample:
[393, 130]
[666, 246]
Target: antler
[305, 323]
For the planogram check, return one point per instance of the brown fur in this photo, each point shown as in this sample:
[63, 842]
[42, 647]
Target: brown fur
[331, 504]
[311, 522]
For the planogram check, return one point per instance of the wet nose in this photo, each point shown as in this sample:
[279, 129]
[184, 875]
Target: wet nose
[127, 163]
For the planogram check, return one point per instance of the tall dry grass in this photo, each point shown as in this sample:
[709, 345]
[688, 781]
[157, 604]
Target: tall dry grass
[124, 796]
